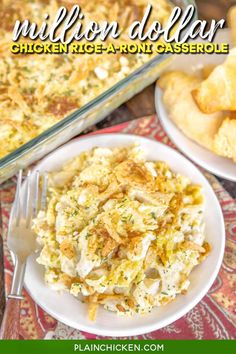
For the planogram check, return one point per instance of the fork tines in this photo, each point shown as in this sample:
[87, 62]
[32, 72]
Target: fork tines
[29, 197]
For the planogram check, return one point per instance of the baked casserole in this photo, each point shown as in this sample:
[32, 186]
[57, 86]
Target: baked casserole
[36, 90]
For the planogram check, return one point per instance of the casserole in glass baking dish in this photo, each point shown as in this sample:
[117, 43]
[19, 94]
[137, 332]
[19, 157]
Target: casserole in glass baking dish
[43, 132]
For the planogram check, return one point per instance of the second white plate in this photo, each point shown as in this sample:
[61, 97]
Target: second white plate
[219, 166]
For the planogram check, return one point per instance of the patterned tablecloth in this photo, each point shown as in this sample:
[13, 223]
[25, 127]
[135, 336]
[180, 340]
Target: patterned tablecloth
[212, 318]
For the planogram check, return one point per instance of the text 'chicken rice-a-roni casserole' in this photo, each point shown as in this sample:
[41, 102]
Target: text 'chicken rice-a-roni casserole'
[121, 231]
[39, 90]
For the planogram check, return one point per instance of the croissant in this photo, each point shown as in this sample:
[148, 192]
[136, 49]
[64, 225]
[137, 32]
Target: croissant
[177, 87]
[218, 91]
[224, 141]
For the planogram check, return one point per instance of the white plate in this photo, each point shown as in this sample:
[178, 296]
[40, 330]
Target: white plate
[219, 166]
[67, 309]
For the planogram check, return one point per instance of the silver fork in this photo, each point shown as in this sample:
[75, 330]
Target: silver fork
[21, 241]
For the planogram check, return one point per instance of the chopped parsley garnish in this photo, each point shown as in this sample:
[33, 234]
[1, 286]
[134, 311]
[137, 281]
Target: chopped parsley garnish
[88, 234]
[126, 218]
[153, 215]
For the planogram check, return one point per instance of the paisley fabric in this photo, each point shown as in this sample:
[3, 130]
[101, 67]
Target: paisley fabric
[212, 318]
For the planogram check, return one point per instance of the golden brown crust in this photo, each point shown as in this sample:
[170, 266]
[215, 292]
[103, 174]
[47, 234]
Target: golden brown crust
[66, 280]
[67, 249]
[217, 92]
[232, 115]
[207, 248]
[109, 246]
[193, 246]
[200, 127]
[225, 139]
[207, 70]
[92, 306]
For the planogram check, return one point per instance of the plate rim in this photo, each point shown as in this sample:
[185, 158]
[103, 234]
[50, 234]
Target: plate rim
[180, 313]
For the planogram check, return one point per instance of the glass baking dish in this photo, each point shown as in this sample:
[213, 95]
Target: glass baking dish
[89, 114]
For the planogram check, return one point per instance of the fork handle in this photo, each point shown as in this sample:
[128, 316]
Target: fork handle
[11, 320]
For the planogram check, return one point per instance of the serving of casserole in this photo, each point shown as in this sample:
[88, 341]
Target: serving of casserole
[122, 238]
[121, 231]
